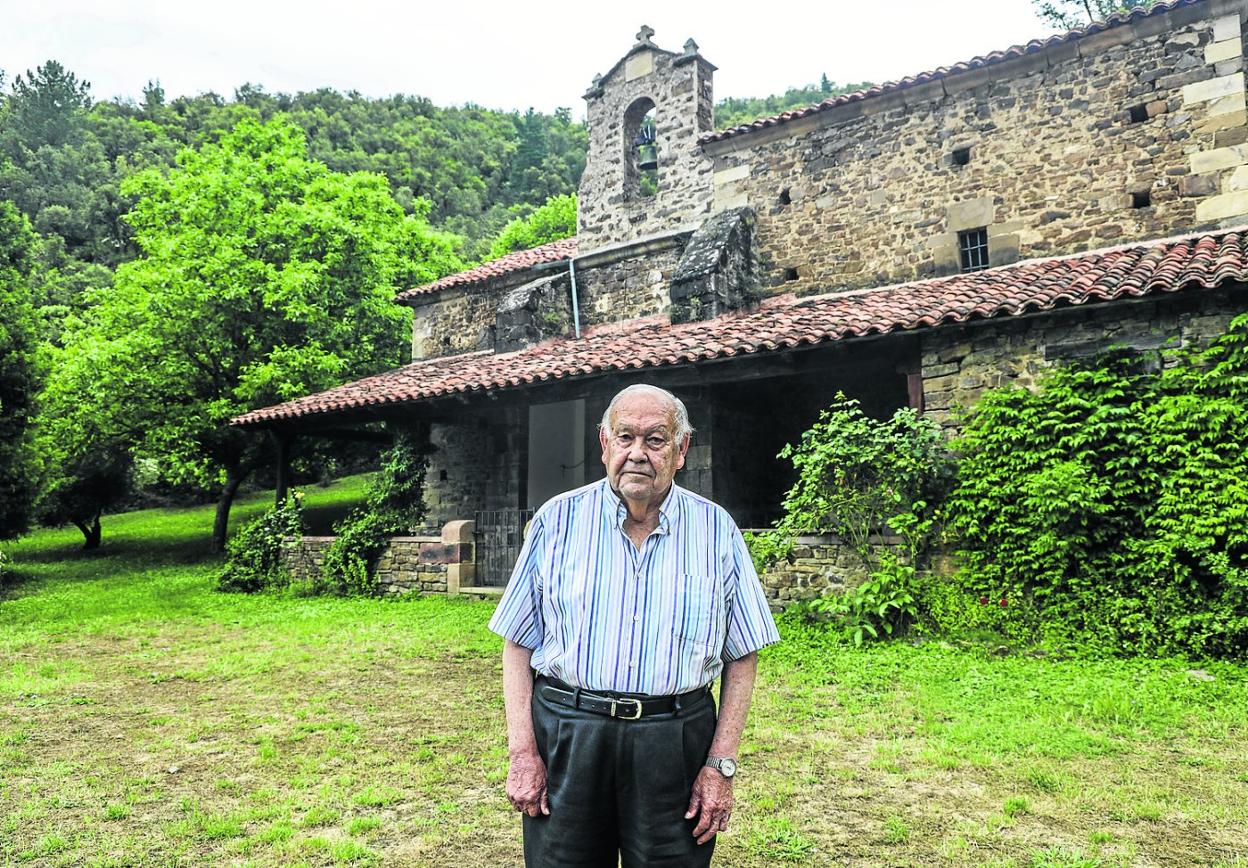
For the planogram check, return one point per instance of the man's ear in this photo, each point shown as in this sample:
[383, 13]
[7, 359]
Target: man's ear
[684, 447]
[602, 442]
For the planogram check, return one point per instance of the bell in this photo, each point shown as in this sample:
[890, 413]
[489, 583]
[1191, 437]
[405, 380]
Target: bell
[647, 151]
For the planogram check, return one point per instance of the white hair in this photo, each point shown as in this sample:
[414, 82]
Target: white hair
[679, 413]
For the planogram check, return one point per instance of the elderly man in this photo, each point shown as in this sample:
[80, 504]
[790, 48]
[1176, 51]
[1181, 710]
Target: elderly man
[630, 597]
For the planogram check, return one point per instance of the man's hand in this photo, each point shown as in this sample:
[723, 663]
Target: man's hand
[526, 784]
[712, 798]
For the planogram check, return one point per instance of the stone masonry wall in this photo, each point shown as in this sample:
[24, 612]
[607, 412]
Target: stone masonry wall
[427, 564]
[456, 479]
[1137, 132]
[960, 364]
[818, 563]
[626, 289]
[412, 563]
[679, 86]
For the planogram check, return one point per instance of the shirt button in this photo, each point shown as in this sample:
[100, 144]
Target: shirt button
[636, 617]
[631, 665]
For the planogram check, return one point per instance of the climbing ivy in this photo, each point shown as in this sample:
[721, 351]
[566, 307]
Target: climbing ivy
[1109, 508]
[254, 555]
[395, 504]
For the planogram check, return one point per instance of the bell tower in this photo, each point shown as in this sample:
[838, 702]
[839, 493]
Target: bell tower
[645, 174]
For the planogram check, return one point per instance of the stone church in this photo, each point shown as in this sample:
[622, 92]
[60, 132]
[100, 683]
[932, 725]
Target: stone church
[913, 244]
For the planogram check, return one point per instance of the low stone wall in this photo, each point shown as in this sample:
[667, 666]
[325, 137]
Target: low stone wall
[818, 563]
[446, 564]
[429, 564]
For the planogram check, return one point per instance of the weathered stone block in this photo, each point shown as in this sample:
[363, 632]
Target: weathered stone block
[717, 272]
[1225, 28]
[1224, 50]
[728, 176]
[1213, 88]
[1230, 136]
[1218, 159]
[1199, 185]
[1223, 207]
[971, 213]
[1238, 180]
[638, 65]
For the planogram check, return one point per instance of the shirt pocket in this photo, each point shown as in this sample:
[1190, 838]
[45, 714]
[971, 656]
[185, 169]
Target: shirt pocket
[696, 617]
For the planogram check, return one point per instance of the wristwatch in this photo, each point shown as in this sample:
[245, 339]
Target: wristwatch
[725, 765]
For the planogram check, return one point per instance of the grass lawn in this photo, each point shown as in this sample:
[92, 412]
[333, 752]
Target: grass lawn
[146, 719]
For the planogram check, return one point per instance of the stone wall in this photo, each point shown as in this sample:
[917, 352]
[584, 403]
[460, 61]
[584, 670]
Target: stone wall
[611, 210]
[456, 479]
[460, 319]
[427, 564]
[961, 363]
[627, 286]
[818, 563]
[1137, 132]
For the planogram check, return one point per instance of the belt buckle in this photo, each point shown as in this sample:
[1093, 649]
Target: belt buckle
[615, 703]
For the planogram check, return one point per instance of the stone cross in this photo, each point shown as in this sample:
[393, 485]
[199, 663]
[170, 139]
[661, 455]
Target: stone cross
[644, 34]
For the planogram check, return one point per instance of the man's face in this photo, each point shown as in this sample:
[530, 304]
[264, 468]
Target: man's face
[640, 450]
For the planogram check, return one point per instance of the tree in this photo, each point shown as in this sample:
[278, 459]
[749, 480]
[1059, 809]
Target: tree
[1069, 14]
[18, 369]
[262, 275]
[47, 105]
[554, 220]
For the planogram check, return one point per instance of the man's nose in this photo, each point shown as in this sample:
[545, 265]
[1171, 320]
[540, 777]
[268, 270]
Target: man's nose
[636, 454]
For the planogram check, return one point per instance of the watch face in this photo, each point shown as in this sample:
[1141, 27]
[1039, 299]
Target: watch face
[728, 767]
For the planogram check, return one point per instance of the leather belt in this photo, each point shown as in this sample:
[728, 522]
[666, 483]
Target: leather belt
[623, 706]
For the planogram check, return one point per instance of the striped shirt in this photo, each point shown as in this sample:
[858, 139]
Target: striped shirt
[602, 615]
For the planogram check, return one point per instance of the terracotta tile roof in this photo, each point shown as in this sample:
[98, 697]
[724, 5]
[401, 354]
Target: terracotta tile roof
[779, 323]
[518, 261]
[991, 59]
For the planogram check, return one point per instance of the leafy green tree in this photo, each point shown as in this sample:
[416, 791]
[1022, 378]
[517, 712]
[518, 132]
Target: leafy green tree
[18, 370]
[1069, 14]
[262, 275]
[554, 220]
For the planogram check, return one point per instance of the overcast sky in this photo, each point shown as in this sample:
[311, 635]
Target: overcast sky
[508, 55]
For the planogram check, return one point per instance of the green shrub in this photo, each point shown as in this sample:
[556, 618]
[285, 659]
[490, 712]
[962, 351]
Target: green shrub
[395, 504]
[254, 556]
[1109, 508]
[859, 478]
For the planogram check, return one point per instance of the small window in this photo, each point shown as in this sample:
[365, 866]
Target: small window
[785, 198]
[1143, 199]
[790, 274]
[973, 249]
[1138, 113]
[961, 156]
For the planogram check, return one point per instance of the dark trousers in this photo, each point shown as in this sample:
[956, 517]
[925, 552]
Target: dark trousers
[618, 789]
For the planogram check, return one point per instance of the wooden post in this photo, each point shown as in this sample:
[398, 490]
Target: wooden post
[284, 442]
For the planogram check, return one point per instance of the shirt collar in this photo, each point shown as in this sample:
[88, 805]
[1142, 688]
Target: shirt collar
[669, 509]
